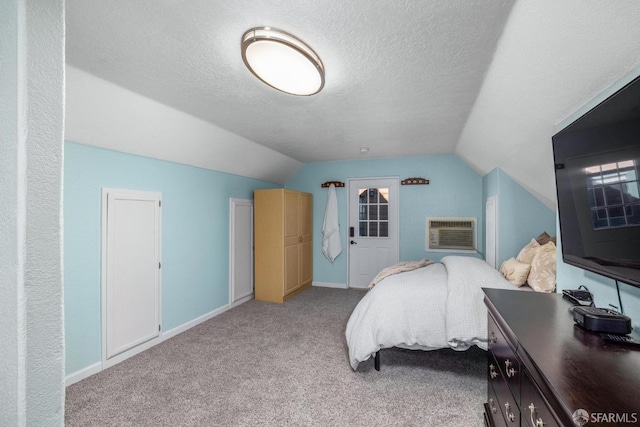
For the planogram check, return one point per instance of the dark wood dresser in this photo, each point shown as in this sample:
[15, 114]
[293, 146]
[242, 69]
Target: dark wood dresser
[542, 367]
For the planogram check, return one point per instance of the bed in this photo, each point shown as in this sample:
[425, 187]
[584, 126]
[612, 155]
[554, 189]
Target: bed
[433, 307]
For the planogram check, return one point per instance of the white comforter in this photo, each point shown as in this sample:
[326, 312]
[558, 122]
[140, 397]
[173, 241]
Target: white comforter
[433, 307]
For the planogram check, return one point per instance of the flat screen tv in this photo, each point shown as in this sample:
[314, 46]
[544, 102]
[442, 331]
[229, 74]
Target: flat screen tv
[597, 164]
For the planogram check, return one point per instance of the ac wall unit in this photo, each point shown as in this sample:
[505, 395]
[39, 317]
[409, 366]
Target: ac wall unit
[451, 234]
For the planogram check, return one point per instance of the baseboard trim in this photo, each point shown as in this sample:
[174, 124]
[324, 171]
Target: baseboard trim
[330, 285]
[186, 326]
[114, 360]
[242, 300]
[100, 366]
[82, 374]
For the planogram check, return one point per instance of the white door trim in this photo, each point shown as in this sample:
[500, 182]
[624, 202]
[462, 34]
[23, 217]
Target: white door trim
[235, 300]
[107, 362]
[396, 211]
[491, 252]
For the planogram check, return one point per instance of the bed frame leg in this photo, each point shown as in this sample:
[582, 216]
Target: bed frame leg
[376, 360]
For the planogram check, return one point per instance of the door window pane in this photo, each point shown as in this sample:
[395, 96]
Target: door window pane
[384, 212]
[373, 229]
[362, 195]
[363, 212]
[373, 212]
[384, 195]
[384, 229]
[363, 229]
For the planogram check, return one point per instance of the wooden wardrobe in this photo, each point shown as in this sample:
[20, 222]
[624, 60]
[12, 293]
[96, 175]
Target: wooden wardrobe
[283, 222]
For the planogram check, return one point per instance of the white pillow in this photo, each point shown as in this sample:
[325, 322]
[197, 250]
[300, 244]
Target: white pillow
[528, 252]
[514, 271]
[542, 277]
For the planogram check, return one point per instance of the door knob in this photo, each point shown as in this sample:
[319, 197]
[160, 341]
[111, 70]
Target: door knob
[353, 243]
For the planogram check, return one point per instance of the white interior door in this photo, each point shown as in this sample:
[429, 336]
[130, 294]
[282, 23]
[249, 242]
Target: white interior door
[491, 231]
[131, 270]
[241, 248]
[373, 228]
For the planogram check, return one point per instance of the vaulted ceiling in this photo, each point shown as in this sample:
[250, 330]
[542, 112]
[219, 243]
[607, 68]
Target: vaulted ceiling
[489, 80]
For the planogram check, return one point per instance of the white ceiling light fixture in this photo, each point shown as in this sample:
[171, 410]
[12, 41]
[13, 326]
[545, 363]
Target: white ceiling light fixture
[282, 61]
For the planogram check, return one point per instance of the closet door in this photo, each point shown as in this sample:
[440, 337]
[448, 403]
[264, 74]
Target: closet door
[291, 241]
[292, 268]
[131, 270]
[241, 250]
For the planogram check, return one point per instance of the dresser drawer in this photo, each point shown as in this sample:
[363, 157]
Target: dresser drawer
[506, 404]
[535, 412]
[494, 374]
[493, 410]
[506, 358]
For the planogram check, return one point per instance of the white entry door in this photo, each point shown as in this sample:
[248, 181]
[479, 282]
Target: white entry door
[241, 251]
[131, 271]
[373, 228]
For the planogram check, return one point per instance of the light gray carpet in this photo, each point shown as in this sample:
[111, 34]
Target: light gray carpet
[265, 364]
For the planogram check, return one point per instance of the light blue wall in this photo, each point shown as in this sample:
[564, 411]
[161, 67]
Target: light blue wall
[454, 190]
[195, 238]
[490, 183]
[521, 216]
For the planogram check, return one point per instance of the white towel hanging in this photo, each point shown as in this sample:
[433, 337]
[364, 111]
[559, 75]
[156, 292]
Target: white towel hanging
[331, 244]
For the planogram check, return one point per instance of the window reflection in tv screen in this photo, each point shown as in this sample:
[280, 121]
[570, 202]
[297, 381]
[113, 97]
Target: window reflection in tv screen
[613, 194]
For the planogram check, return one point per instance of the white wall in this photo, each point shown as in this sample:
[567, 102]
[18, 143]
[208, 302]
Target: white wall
[31, 129]
[105, 115]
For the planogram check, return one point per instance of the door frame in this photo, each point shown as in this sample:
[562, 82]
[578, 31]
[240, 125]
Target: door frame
[491, 201]
[233, 202]
[350, 181]
[106, 363]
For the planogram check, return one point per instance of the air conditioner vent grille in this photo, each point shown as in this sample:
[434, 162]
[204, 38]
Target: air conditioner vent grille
[450, 224]
[456, 239]
[451, 234]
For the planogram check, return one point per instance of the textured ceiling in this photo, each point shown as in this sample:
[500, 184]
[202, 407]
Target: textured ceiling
[488, 80]
[401, 76]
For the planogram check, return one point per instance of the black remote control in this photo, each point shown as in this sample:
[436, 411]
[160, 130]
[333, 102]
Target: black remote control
[621, 339]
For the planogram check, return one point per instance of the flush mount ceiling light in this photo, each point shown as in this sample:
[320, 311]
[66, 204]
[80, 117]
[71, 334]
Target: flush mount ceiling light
[282, 61]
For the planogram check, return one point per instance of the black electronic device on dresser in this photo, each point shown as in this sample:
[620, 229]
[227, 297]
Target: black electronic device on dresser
[543, 369]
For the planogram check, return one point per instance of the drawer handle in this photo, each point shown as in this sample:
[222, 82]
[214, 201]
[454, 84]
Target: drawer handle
[492, 337]
[511, 372]
[492, 371]
[510, 415]
[538, 422]
[494, 409]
